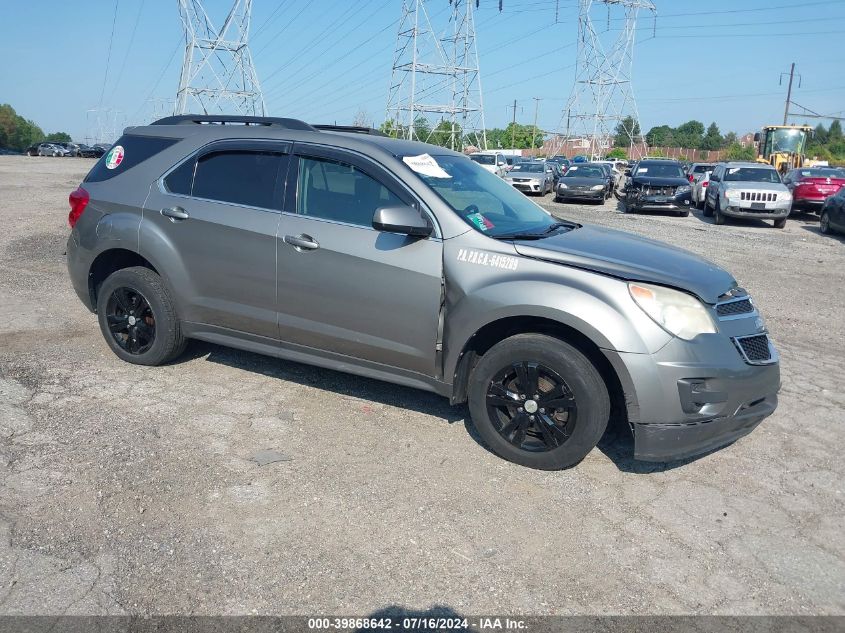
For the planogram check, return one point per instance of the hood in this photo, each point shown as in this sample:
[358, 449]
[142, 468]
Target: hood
[632, 258]
[658, 181]
[581, 181]
[535, 175]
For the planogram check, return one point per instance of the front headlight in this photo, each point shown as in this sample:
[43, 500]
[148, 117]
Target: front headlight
[676, 312]
[683, 189]
[597, 187]
[562, 185]
[730, 193]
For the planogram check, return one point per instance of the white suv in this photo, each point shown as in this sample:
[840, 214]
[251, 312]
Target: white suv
[747, 190]
[494, 162]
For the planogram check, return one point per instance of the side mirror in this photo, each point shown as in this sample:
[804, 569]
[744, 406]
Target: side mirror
[627, 172]
[401, 219]
[757, 137]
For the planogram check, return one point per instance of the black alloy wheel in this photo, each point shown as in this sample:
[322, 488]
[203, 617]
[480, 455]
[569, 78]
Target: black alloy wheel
[532, 407]
[130, 319]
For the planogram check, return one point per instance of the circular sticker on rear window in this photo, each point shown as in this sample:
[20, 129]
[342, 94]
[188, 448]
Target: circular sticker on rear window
[114, 157]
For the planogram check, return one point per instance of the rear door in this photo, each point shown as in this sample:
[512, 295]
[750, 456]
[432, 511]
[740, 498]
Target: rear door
[213, 220]
[343, 286]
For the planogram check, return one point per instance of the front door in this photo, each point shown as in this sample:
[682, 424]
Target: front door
[345, 287]
[214, 220]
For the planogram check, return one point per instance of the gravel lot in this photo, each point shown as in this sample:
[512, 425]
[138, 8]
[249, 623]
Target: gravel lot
[131, 490]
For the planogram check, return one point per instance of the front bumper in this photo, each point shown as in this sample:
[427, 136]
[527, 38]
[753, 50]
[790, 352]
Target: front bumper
[527, 187]
[679, 202]
[763, 211]
[692, 397]
[580, 194]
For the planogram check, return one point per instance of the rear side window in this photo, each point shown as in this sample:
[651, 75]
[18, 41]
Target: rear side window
[181, 179]
[125, 154]
[242, 177]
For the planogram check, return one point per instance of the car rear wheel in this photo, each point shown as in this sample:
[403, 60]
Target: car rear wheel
[537, 401]
[707, 210]
[780, 223]
[138, 317]
[824, 223]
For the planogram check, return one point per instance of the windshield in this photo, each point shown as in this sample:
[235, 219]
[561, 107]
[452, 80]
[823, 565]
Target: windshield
[751, 174]
[483, 200]
[484, 159]
[532, 167]
[791, 141]
[659, 171]
[700, 169]
[820, 173]
[585, 171]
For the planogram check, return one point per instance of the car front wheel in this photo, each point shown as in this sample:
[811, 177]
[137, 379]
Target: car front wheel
[537, 401]
[138, 317]
[824, 223]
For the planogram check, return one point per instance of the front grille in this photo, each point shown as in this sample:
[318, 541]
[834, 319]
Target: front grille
[755, 349]
[521, 179]
[758, 196]
[659, 191]
[733, 308]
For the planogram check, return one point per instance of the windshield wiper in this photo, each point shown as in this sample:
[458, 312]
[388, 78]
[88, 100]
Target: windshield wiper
[536, 235]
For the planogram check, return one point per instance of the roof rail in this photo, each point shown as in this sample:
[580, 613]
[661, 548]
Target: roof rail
[356, 129]
[226, 119]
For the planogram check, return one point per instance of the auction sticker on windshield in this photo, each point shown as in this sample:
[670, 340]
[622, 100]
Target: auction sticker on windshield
[480, 221]
[425, 165]
[114, 157]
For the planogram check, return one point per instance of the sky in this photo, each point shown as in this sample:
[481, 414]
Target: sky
[327, 60]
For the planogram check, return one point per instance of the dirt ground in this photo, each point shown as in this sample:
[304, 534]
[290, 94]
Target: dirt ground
[131, 490]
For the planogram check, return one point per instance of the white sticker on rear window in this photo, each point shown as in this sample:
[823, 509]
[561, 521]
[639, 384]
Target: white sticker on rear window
[733, 170]
[642, 170]
[573, 168]
[426, 165]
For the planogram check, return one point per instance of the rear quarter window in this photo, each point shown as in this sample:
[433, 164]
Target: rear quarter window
[134, 149]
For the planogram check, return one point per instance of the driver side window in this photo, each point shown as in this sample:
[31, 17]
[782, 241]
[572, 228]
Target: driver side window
[341, 192]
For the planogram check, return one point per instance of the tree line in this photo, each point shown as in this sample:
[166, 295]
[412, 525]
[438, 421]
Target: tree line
[18, 133]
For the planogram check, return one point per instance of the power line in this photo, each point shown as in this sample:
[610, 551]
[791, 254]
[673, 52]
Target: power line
[128, 49]
[108, 55]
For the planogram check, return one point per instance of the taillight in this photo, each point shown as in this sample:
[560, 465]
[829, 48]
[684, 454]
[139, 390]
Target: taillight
[690, 178]
[78, 201]
[705, 183]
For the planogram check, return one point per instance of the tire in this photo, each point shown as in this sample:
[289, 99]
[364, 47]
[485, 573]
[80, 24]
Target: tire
[718, 217]
[683, 214]
[824, 223]
[159, 337]
[706, 211]
[780, 223]
[557, 198]
[558, 436]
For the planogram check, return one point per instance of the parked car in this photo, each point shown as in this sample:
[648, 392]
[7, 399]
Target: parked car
[71, 148]
[512, 160]
[698, 169]
[832, 213]
[811, 186]
[532, 177]
[699, 189]
[408, 262]
[494, 162]
[747, 190]
[52, 149]
[657, 185]
[557, 172]
[86, 151]
[32, 150]
[563, 161]
[584, 181]
[615, 174]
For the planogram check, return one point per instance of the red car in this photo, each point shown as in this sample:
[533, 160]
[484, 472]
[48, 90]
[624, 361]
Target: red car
[810, 186]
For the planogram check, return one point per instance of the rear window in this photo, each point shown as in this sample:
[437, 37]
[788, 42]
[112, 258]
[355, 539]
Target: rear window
[239, 176]
[700, 169]
[751, 174]
[125, 154]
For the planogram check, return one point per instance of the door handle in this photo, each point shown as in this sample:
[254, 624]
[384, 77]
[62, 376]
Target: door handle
[302, 242]
[175, 213]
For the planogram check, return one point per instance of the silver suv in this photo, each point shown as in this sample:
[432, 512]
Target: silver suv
[412, 264]
[747, 190]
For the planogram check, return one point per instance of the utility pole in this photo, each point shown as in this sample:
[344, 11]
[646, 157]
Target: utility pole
[513, 126]
[537, 101]
[789, 91]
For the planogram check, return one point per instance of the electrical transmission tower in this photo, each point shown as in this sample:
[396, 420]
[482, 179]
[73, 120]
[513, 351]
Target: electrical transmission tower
[217, 73]
[435, 85]
[602, 99]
